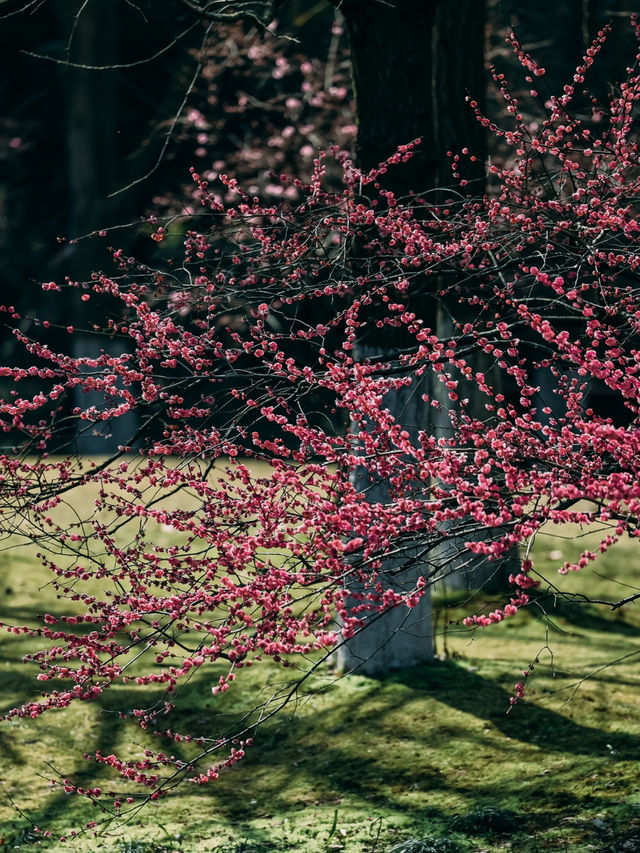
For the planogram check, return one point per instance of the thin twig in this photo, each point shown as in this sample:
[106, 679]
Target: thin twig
[173, 124]
[116, 67]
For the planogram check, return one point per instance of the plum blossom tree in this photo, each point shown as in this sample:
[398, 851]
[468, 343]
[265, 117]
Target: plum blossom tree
[245, 353]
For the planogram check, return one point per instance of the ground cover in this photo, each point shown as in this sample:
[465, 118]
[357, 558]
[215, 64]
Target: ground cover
[427, 759]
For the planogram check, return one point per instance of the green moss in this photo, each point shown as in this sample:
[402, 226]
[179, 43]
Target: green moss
[422, 757]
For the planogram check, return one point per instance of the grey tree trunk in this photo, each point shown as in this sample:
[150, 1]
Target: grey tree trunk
[401, 637]
[413, 62]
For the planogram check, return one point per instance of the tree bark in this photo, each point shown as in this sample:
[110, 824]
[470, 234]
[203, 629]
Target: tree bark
[92, 167]
[413, 64]
[401, 637]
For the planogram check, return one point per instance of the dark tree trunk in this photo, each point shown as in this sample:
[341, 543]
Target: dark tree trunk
[92, 167]
[414, 62]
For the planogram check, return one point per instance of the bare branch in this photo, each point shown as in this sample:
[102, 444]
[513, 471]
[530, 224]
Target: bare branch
[624, 601]
[118, 66]
[259, 11]
[173, 124]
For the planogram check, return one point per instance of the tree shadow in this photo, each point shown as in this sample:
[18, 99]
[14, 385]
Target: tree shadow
[72, 811]
[320, 758]
[323, 756]
[581, 615]
[467, 691]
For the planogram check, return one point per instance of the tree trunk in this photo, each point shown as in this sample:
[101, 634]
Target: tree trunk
[401, 637]
[413, 63]
[92, 125]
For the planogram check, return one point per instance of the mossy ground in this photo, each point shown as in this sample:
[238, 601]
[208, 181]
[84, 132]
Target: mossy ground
[365, 764]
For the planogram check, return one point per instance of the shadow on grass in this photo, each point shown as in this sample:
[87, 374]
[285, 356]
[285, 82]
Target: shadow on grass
[581, 614]
[468, 692]
[373, 742]
[62, 812]
[366, 748]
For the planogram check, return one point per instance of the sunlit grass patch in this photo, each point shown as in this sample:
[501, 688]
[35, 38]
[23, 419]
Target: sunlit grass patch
[429, 756]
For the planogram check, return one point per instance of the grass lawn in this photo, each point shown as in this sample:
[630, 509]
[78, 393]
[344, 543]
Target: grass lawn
[365, 765]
